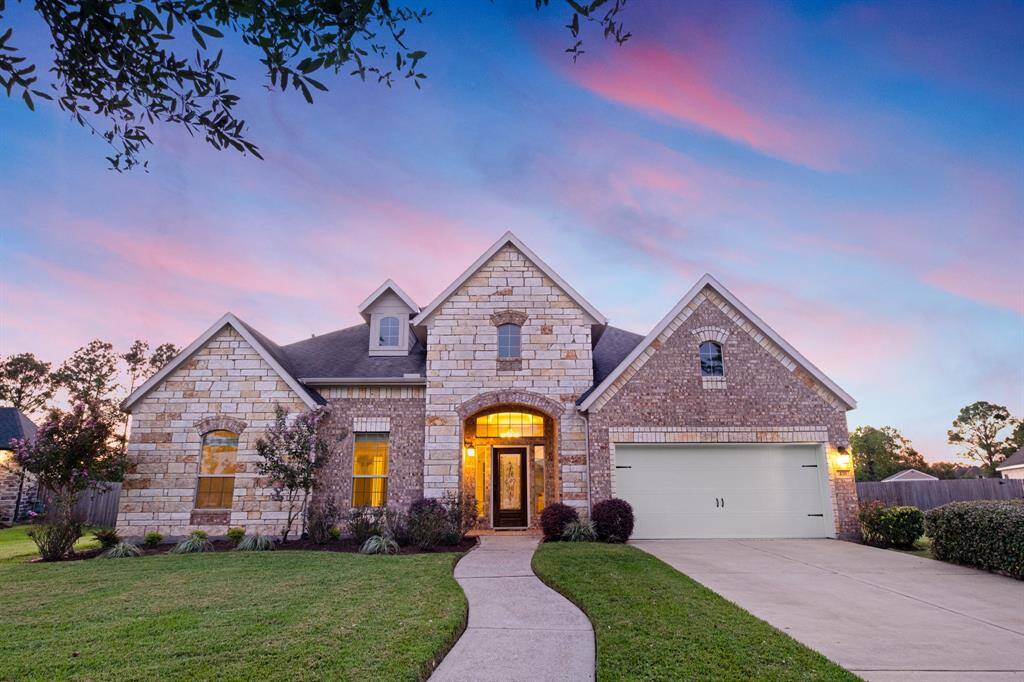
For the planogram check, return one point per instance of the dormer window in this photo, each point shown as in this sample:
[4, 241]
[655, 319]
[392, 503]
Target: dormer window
[389, 332]
[711, 364]
[509, 342]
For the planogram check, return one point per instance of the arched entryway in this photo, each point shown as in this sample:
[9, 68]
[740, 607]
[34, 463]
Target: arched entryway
[509, 456]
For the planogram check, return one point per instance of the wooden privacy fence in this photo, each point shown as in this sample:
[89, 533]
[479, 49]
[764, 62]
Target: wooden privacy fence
[96, 506]
[930, 494]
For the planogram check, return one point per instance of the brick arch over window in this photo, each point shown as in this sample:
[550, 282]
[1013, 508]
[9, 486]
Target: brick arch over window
[716, 334]
[493, 399]
[220, 424]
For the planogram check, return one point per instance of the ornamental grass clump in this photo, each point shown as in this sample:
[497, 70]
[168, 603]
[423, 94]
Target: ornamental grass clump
[256, 542]
[579, 531]
[379, 544]
[196, 542]
[107, 537]
[122, 550]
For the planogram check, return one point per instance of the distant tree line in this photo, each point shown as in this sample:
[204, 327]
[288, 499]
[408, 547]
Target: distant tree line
[987, 433]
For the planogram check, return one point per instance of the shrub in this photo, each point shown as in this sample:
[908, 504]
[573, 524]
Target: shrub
[322, 519]
[334, 533]
[555, 518]
[196, 542]
[613, 520]
[985, 534]
[235, 535]
[107, 537]
[579, 531]
[890, 526]
[152, 539]
[55, 541]
[362, 524]
[428, 523]
[379, 544]
[255, 543]
[462, 517]
[122, 550]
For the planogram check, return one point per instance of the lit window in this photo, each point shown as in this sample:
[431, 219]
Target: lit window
[711, 360]
[510, 425]
[217, 470]
[370, 470]
[508, 341]
[388, 331]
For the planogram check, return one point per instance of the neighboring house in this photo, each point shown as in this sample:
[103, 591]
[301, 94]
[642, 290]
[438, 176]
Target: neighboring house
[910, 475]
[17, 487]
[1012, 466]
[512, 387]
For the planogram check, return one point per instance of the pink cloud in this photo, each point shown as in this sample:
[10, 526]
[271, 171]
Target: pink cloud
[1001, 288]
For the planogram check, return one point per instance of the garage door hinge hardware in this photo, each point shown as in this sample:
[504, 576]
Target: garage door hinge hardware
[809, 466]
[816, 515]
[622, 466]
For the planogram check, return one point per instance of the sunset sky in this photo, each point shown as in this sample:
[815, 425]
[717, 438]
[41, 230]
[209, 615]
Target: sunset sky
[852, 171]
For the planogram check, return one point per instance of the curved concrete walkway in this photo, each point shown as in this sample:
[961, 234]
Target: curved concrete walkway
[519, 628]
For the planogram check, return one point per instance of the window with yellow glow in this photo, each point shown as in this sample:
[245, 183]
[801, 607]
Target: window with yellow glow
[217, 469]
[370, 470]
[510, 425]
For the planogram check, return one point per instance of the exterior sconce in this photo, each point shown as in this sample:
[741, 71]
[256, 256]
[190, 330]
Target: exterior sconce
[470, 451]
[842, 460]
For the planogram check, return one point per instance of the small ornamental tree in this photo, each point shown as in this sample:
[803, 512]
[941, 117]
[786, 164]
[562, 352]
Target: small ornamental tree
[291, 452]
[71, 451]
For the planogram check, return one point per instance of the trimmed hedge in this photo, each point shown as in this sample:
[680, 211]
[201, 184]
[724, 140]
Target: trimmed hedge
[890, 526]
[613, 520]
[985, 534]
[555, 518]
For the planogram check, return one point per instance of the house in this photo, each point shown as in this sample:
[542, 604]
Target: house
[910, 475]
[17, 487]
[512, 387]
[1012, 466]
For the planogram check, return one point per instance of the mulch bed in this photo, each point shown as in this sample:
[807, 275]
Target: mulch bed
[305, 545]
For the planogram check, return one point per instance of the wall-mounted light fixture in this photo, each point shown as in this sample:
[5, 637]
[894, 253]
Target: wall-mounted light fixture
[841, 460]
[470, 450]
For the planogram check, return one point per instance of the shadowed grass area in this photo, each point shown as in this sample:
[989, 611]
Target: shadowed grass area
[17, 546]
[245, 616]
[654, 623]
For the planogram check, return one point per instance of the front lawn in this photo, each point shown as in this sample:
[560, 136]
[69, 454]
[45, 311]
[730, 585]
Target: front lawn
[271, 615]
[16, 545]
[653, 622]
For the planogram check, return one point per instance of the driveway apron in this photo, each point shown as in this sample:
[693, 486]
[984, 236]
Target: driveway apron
[519, 628]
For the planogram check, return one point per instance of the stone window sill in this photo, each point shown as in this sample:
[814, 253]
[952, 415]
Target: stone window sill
[210, 517]
[510, 364]
[713, 382]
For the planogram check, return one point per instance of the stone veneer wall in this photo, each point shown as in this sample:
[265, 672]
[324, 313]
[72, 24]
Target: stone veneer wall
[225, 384]
[462, 349]
[399, 410]
[10, 479]
[763, 398]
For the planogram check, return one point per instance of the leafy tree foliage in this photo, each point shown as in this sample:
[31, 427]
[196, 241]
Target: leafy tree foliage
[122, 65]
[951, 470]
[291, 452]
[977, 428]
[25, 382]
[163, 354]
[71, 451]
[880, 453]
[90, 374]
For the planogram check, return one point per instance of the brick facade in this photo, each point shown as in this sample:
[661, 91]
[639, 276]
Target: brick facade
[224, 384]
[763, 399]
[462, 362]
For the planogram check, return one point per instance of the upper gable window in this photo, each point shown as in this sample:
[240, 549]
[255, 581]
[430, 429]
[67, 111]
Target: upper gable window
[711, 364]
[388, 337]
[508, 341]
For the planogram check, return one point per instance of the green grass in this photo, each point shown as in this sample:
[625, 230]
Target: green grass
[17, 546]
[237, 616]
[922, 548]
[654, 623]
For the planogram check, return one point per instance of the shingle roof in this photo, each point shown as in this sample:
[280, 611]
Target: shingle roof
[13, 424]
[609, 351]
[1016, 459]
[910, 475]
[281, 358]
[345, 353]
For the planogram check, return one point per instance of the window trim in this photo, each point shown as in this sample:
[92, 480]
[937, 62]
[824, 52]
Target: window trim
[200, 476]
[721, 360]
[373, 436]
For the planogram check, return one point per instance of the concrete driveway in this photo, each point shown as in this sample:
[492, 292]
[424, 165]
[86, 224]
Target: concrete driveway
[878, 613]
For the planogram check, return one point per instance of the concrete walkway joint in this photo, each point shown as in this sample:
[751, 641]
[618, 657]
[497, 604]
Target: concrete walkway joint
[519, 628]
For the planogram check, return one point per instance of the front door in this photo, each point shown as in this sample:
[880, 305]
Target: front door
[509, 480]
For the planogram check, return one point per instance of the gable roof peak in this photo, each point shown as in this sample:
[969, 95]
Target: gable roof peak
[510, 238]
[388, 285]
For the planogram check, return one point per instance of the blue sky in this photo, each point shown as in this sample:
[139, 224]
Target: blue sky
[852, 171]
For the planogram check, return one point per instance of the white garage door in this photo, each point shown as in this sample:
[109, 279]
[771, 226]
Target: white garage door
[725, 491]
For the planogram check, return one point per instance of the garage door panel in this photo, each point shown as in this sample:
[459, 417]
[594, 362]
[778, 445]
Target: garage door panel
[723, 490]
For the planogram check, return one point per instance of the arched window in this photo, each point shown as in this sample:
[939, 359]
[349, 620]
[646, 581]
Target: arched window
[711, 364]
[388, 331]
[508, 341]
[217, 469]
